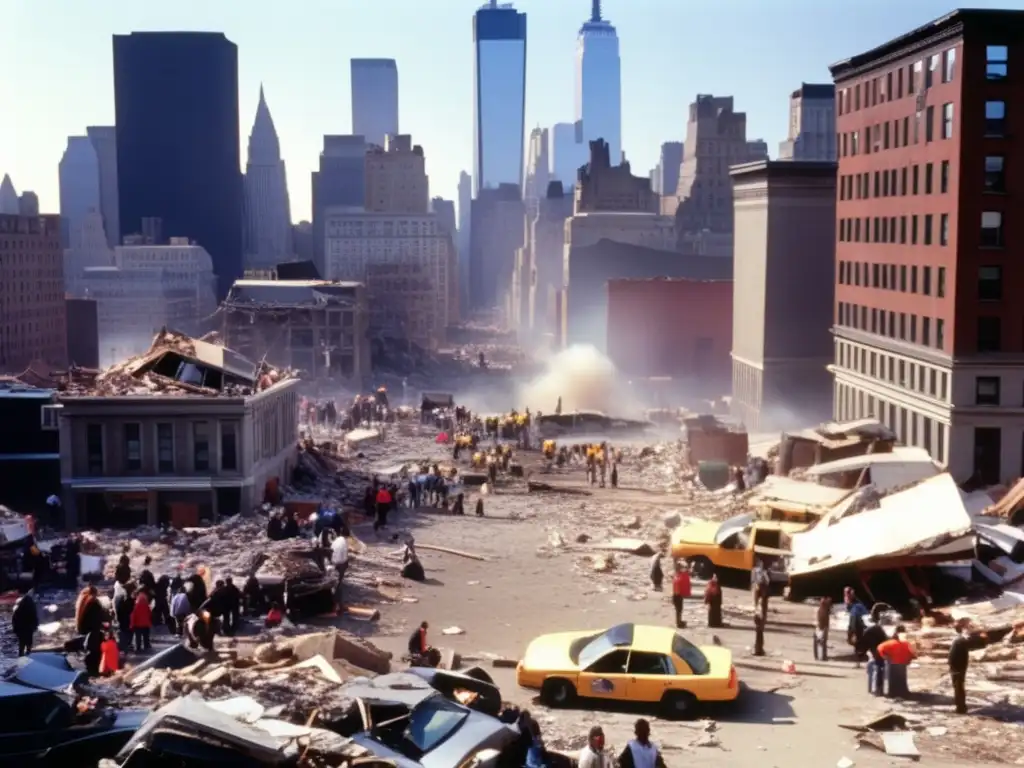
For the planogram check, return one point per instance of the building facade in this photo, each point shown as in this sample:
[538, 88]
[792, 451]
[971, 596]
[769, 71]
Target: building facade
[928, 336]
[538, 169]
[396, 177]
[183, 453]
[568, 153]
[104, 142]
[716, 139]
[32, 311]
[340, 181]
[28, 203]
[268, 218]
[812, 124]
[599, 83]
[405, 262]
[374, 99]
[176, 102]
[666, 174]
[605, 187]
[79, 176]
[783, 294]
[677, 328]
[316, 327]
[495, 234]
[547, 249]
[499, 96]
[464, 239]
[83, 331]
[29, 448]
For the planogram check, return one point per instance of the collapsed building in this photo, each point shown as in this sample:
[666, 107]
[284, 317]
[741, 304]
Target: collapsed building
[188, 431]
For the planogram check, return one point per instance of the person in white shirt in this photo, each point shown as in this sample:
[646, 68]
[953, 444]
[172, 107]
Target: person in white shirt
[339, 559]
[593, 755]
[641, 752]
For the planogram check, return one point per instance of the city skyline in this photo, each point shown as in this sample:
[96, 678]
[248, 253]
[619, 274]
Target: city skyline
[435, 52]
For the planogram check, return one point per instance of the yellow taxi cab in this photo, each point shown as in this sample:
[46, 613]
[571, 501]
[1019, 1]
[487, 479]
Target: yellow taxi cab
[735, 545]
[630, 663]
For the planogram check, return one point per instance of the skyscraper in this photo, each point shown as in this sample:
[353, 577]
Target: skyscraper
[268, 221]
[568, 153]
[499, 96]
[812, 124]
[374, 99]
[599, 83]
[538, 168]
[9, 202]
[465, 208]
[340, 181]
[104, 142]
[176, 106]
[79, 176]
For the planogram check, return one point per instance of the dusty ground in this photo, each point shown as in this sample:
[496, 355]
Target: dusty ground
[528, 587]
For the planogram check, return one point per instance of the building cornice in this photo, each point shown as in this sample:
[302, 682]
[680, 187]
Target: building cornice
[901, 48]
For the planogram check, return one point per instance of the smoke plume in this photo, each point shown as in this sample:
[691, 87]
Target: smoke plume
[584, 378]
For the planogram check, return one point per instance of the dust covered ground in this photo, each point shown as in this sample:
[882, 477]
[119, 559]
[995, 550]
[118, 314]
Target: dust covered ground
[538, 579]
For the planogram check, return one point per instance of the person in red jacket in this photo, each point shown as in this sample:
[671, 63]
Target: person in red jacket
[681, 589]
[383, 503]
[110, 655]
[142, 621]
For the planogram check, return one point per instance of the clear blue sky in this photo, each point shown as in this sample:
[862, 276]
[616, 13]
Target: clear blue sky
[58, 73]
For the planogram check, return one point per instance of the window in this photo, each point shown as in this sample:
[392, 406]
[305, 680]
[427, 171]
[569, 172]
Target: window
[927, 229]
[94, 448]
[949, 65]
[229, 446]
[926, 282]
[940, 333]
[944, 229]
[926, 338]
[165, 447]
[691, 654]
[903, 181]
[995, 174]
[613, 663]
[996, 61]
[940, 283]
[929, 74]
[986, 390]
[929, 124]
[995, 118]
[913, 230]
[989, 334]
[944, 177]
[903, 230]
[992, 229]
[913, 279]
[906, 131]
[642, 663]
[903, 278]
[928, 176]
[132, 447]
[913, 75]
[990, 283]
[947, 121]
[885, 135]
[916, 176]
[201, 446]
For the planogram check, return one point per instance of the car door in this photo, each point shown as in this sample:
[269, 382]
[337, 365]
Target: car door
[649, 675]
[606, 677]
[30, 722]
[734, 551]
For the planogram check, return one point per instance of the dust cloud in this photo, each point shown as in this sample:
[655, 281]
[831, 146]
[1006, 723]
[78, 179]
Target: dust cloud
[585, 379]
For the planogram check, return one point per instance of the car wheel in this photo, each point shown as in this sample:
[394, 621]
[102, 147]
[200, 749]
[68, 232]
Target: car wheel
[702, 568]
[678, 705]
[557, 693]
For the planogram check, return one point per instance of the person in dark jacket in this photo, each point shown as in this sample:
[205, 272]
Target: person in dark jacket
[252, 595]
[25, 622]
[94, 651]
[641, 752]
[959, 660]
[123, 572]
[196, 588]
[146, 578]
[232, 606]
[124, 603]
[871, 638]
[89, 613]
[72, 560]
[214, 604]
[291, 526]
[161, 603]
[480, 507]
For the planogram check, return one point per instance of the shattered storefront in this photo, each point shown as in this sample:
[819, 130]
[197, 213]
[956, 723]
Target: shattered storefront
[189, 431]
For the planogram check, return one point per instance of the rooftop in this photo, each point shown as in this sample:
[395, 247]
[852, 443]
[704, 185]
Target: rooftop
[290, 293]
[177, 365]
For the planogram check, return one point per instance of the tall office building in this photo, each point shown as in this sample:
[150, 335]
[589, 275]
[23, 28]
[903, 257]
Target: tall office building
[599, 83]
[666, 175]
[812, 124]
[340, 181]
[176, 105]
[268, 220]
[9, 202]
[374, 99]
[79, 176]
[538, 168]
[28, 203]
[104, 142]
[568, 153]
[465, 217]
[499, 96]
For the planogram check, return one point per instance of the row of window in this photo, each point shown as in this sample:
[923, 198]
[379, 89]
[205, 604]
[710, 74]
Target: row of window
[917, 77]
[896, 134]
[916, 377]
[884, 230]
[132, 438]
[895, 182]
[895, 325]
[884, 276]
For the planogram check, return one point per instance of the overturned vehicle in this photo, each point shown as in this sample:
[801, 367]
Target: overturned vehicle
[555, 425]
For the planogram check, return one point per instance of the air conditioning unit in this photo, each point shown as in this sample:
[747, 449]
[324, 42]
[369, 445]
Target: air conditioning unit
[49, 417]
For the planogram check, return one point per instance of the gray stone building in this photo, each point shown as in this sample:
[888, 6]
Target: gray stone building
[189, 431]
[783, 292]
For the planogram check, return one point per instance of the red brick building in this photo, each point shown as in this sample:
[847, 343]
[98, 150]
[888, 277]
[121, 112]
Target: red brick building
[676, 327]
[929, 329]
[32, 316]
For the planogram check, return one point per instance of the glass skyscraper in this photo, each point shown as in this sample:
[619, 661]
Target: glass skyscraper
[599, 84]
[374, 99]
[499, 96]
[176, 107]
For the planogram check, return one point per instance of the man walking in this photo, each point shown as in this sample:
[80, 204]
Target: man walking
[641, 752]
[593, 755]
[823, 619]
[25, 622]
[681, 589]
[960, 659]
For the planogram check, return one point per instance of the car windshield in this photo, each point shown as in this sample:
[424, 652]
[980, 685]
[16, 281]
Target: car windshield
[691, 654]
[432, 722]
[620, 636]
[733, 525]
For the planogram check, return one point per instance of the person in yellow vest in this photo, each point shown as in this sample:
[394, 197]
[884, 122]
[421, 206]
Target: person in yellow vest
[602, 464]
[549, 449]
